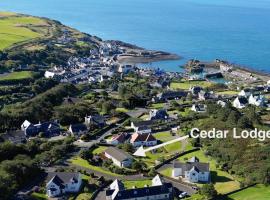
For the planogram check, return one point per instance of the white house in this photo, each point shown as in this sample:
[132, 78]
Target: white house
[142, 127]
[192, 171]
[221, 103]
[60, 183]
[240, 102]
[147, 140]
[225, 67]
[199, 108]
[125, 69]
[256, 100]
[119, 157]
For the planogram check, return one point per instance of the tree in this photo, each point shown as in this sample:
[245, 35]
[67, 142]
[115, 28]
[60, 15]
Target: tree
[152, 172]
[209, 191]
[138, 166]
[244, 122]
[128, 147]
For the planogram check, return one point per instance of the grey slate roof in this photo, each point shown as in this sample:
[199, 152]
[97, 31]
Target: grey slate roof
[143, 123]
[118, 154]
[61, 178]
[141, 192]
[202, 167]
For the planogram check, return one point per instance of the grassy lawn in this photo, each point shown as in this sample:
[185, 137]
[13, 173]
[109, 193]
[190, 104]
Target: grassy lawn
[99, 150]
[184, 113]
[258, 192]
[185, 85]
[39, 196]
[137, 183]
[83, 163]
[123, 110]
[17, 75]
[167, 172]
[223, 181]
[18, 28]
[144, 117]
[163, 136]
[228, 92]
[84, 196]
[163, 152]
[157, 105]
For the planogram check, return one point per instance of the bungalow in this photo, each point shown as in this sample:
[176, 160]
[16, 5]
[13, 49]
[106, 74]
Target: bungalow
[95, 120]
[147, 140]
[193, 171]
[155, 114]
[198, 108]
[142, 127]
[119, 157]
[60, 183]
[49, 129]
[77, 129]
[158, 191]
[240, 102]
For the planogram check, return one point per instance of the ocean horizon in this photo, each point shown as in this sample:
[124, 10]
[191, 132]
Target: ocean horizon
[237, 31]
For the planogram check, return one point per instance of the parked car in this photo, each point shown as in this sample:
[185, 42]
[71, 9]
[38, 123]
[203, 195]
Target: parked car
[183, 195]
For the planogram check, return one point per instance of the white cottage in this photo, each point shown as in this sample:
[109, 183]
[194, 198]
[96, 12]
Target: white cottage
[192, 171]
[60, 183]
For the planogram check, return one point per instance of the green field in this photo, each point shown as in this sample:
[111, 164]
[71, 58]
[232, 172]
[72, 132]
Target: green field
[185, 85]
[228, 92]
[17, 76]
[18, 28]
[258, 192]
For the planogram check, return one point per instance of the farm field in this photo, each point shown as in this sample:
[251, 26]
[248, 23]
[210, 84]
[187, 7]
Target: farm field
[185, 85]
[17, 75]
[19, 28]
[258, 192]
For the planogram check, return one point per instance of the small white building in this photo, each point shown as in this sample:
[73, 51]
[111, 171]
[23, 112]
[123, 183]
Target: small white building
[142, 127]
[125, 69]
[60, 183]
[200, 108]
[119, 157]
[240, 102]
[256, 100]
[222, 103]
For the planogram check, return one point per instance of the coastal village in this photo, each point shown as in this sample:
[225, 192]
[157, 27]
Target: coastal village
[118, 130]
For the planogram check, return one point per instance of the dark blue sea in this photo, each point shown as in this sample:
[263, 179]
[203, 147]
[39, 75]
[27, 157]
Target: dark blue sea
[235, 30]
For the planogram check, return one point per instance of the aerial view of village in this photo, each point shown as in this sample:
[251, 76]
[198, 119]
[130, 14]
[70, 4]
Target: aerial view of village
[82, 118]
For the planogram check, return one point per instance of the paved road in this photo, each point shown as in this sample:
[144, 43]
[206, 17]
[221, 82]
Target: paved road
[83, 144]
